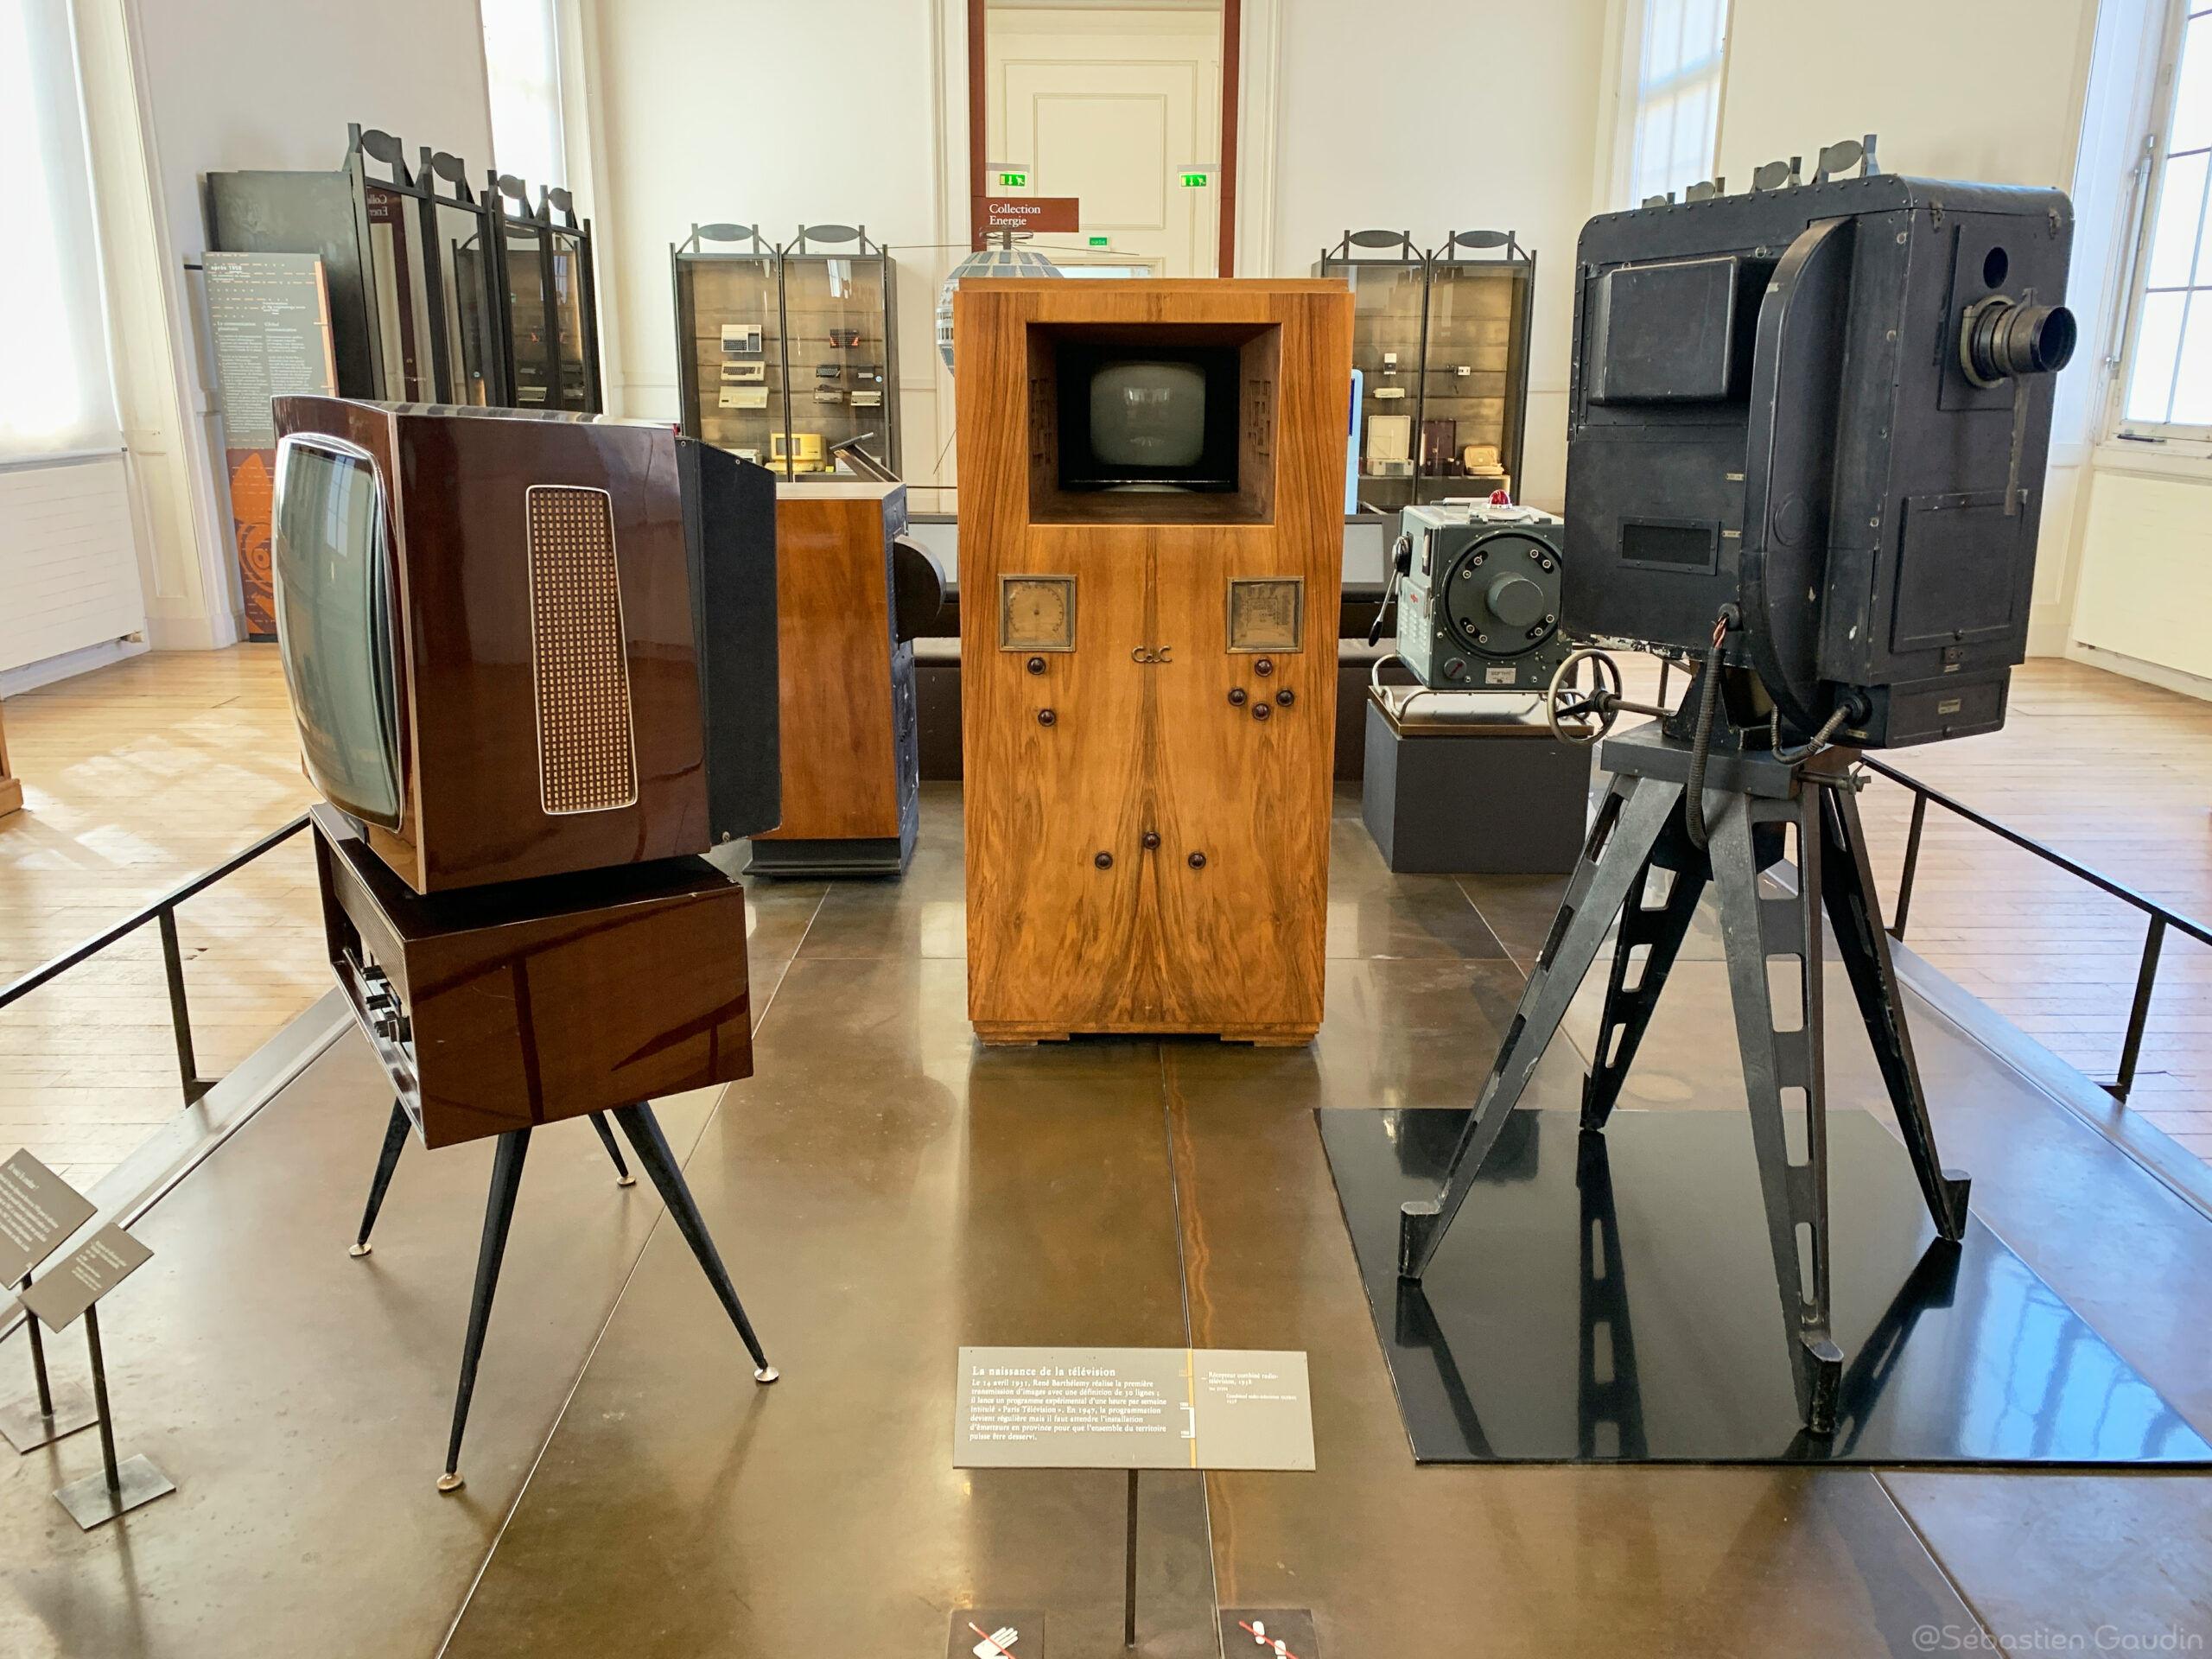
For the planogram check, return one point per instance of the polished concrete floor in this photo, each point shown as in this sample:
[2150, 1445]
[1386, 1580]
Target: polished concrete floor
[885, 1191]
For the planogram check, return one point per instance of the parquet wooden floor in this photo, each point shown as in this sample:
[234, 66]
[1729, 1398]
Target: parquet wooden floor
[139, 776]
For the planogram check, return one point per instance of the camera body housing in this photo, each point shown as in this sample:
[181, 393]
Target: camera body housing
[1829, 407]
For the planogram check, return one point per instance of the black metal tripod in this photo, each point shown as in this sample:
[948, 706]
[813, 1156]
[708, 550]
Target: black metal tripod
[643, 1130]
[1642, 864]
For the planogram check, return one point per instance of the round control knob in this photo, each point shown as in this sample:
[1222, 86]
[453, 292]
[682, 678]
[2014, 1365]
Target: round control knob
[1261, 711]
[1286, 696]
[1036, 664]
[1045, 717]
[1236, 696]
[1197, 860]
[1455, 668]
[1152, 841]
[1265, 665]
[1104, 860]
[1515, 600]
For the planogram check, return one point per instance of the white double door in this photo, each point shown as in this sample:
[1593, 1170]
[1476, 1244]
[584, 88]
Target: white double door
[1113, 107]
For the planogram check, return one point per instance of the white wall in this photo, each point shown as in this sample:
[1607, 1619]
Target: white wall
[771, 116]
[1433, 116]
[230, 84]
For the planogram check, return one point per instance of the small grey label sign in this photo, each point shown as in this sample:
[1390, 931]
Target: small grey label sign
[87, 1273]
[1132, 1408]
[38, 1210]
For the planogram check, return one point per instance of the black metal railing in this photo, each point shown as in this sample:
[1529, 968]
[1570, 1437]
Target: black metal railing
[2162, 917]
[162, 911]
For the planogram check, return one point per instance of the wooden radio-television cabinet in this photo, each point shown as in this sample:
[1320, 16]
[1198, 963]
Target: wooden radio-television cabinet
[1149, 673]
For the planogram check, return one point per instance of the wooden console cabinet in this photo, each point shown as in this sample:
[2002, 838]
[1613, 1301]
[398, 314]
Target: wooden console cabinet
[851, 754]
[1149, 675]
[12, 789]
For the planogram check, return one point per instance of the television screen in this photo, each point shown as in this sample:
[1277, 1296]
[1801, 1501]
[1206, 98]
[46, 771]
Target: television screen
[333, 589]
[1147, 414]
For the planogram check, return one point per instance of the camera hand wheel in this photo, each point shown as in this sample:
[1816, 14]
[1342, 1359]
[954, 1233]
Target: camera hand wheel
[1580, 717]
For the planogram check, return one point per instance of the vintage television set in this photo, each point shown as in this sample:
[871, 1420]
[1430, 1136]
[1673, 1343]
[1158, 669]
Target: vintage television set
[1141, 416]
[525, 644]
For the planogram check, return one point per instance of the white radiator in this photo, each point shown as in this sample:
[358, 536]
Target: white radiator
[68, 566]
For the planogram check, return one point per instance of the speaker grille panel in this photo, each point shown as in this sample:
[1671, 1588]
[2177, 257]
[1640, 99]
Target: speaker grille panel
[586, 756]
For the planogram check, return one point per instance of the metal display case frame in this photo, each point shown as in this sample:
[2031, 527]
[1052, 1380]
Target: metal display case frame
[559, 264]
[790, 270]
[1481, 254]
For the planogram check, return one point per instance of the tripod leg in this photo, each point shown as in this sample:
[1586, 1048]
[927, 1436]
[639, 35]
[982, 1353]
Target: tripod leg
[498, 1215]
[639, 1122]
[1855, 914]
[1661, 927]
[395, 1140]
[1635, 810]
[1775, 1061]
[622, 1175]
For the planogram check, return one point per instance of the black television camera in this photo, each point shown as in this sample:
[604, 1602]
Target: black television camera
[1807, 430]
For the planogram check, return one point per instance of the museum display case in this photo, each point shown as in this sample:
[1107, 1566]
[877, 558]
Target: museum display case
[1440, 338]
[548, 303]
[788, 352]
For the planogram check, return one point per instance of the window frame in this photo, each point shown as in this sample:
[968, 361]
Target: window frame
[1635, 97]
[2150, 173]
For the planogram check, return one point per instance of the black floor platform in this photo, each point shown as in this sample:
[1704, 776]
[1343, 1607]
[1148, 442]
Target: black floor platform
[1611, 1298]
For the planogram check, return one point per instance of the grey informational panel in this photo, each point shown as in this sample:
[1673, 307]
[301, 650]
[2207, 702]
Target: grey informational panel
[271, 321]
[86, 1274]
[1132, 1408]
[38, 1210]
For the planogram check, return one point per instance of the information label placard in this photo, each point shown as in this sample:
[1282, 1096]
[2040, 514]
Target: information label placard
[87, 1273]
[38, 1210]
[1132, 1408]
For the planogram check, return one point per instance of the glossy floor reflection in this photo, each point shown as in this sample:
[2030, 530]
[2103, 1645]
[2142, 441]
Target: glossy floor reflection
[1611, 1297]
[885, 1190]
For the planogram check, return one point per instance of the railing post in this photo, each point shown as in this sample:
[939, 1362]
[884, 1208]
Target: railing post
[2145, 978]
[1911, 864]
[180, 1012]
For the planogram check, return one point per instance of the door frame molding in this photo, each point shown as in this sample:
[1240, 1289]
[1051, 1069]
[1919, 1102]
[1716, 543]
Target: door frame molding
[1232, 59]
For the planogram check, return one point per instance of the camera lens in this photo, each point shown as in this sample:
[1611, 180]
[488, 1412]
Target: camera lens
[2003, 339]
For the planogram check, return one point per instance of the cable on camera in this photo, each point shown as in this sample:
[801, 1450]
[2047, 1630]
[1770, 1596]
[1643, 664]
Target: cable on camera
[1701, 738]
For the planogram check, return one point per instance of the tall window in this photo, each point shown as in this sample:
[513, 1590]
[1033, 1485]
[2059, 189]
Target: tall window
[56, 391]
[522, 58]
[1678, 94]
[2170, 381]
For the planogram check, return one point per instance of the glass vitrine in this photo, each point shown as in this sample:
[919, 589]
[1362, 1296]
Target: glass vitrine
[551, 323]
[1441, 343]
[785, 353]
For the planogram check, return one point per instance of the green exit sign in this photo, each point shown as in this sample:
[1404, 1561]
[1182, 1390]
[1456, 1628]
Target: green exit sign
[1100, 242]
[1013, 180]
[1197, 181]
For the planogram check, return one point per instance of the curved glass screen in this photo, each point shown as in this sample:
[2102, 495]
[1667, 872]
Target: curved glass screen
[334, 623]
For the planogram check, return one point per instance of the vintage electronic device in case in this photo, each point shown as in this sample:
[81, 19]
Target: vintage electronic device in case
[867, 374]
[867, 400]
[741, 339]
[1390, 443]
[828, 371]
[828, 395]
[744, 373]
[1820, 413]
[802, 451]
[742, 397]
[1479, 596]
[525, 646]
[845, 339]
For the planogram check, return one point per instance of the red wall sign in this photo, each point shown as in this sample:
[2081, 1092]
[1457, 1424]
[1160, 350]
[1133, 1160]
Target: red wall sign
[1027, 213]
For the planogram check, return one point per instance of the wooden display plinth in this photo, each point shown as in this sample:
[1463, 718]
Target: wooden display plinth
[852, 777]
[11, 788]
[501, 1008]
[1149, 675]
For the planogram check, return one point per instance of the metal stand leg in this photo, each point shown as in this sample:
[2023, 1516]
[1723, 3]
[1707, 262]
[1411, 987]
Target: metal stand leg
[395, 1140]
[1775, 1061]
[1129, 1592]
[498, 1215]
[652, 1147]
[622, 1175]
[1635, 811]
[38, 1358]
[54, 1411]
[1662, 928]
[1855, 914]
[119, 1487]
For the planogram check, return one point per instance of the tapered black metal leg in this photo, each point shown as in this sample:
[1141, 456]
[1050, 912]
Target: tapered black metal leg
[638, 1123]
[622, 1175]
[498, 1215]
[1632, 991]
[395, 1139]
[1855, 914]
[1634, 813]
[1777, 1062]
